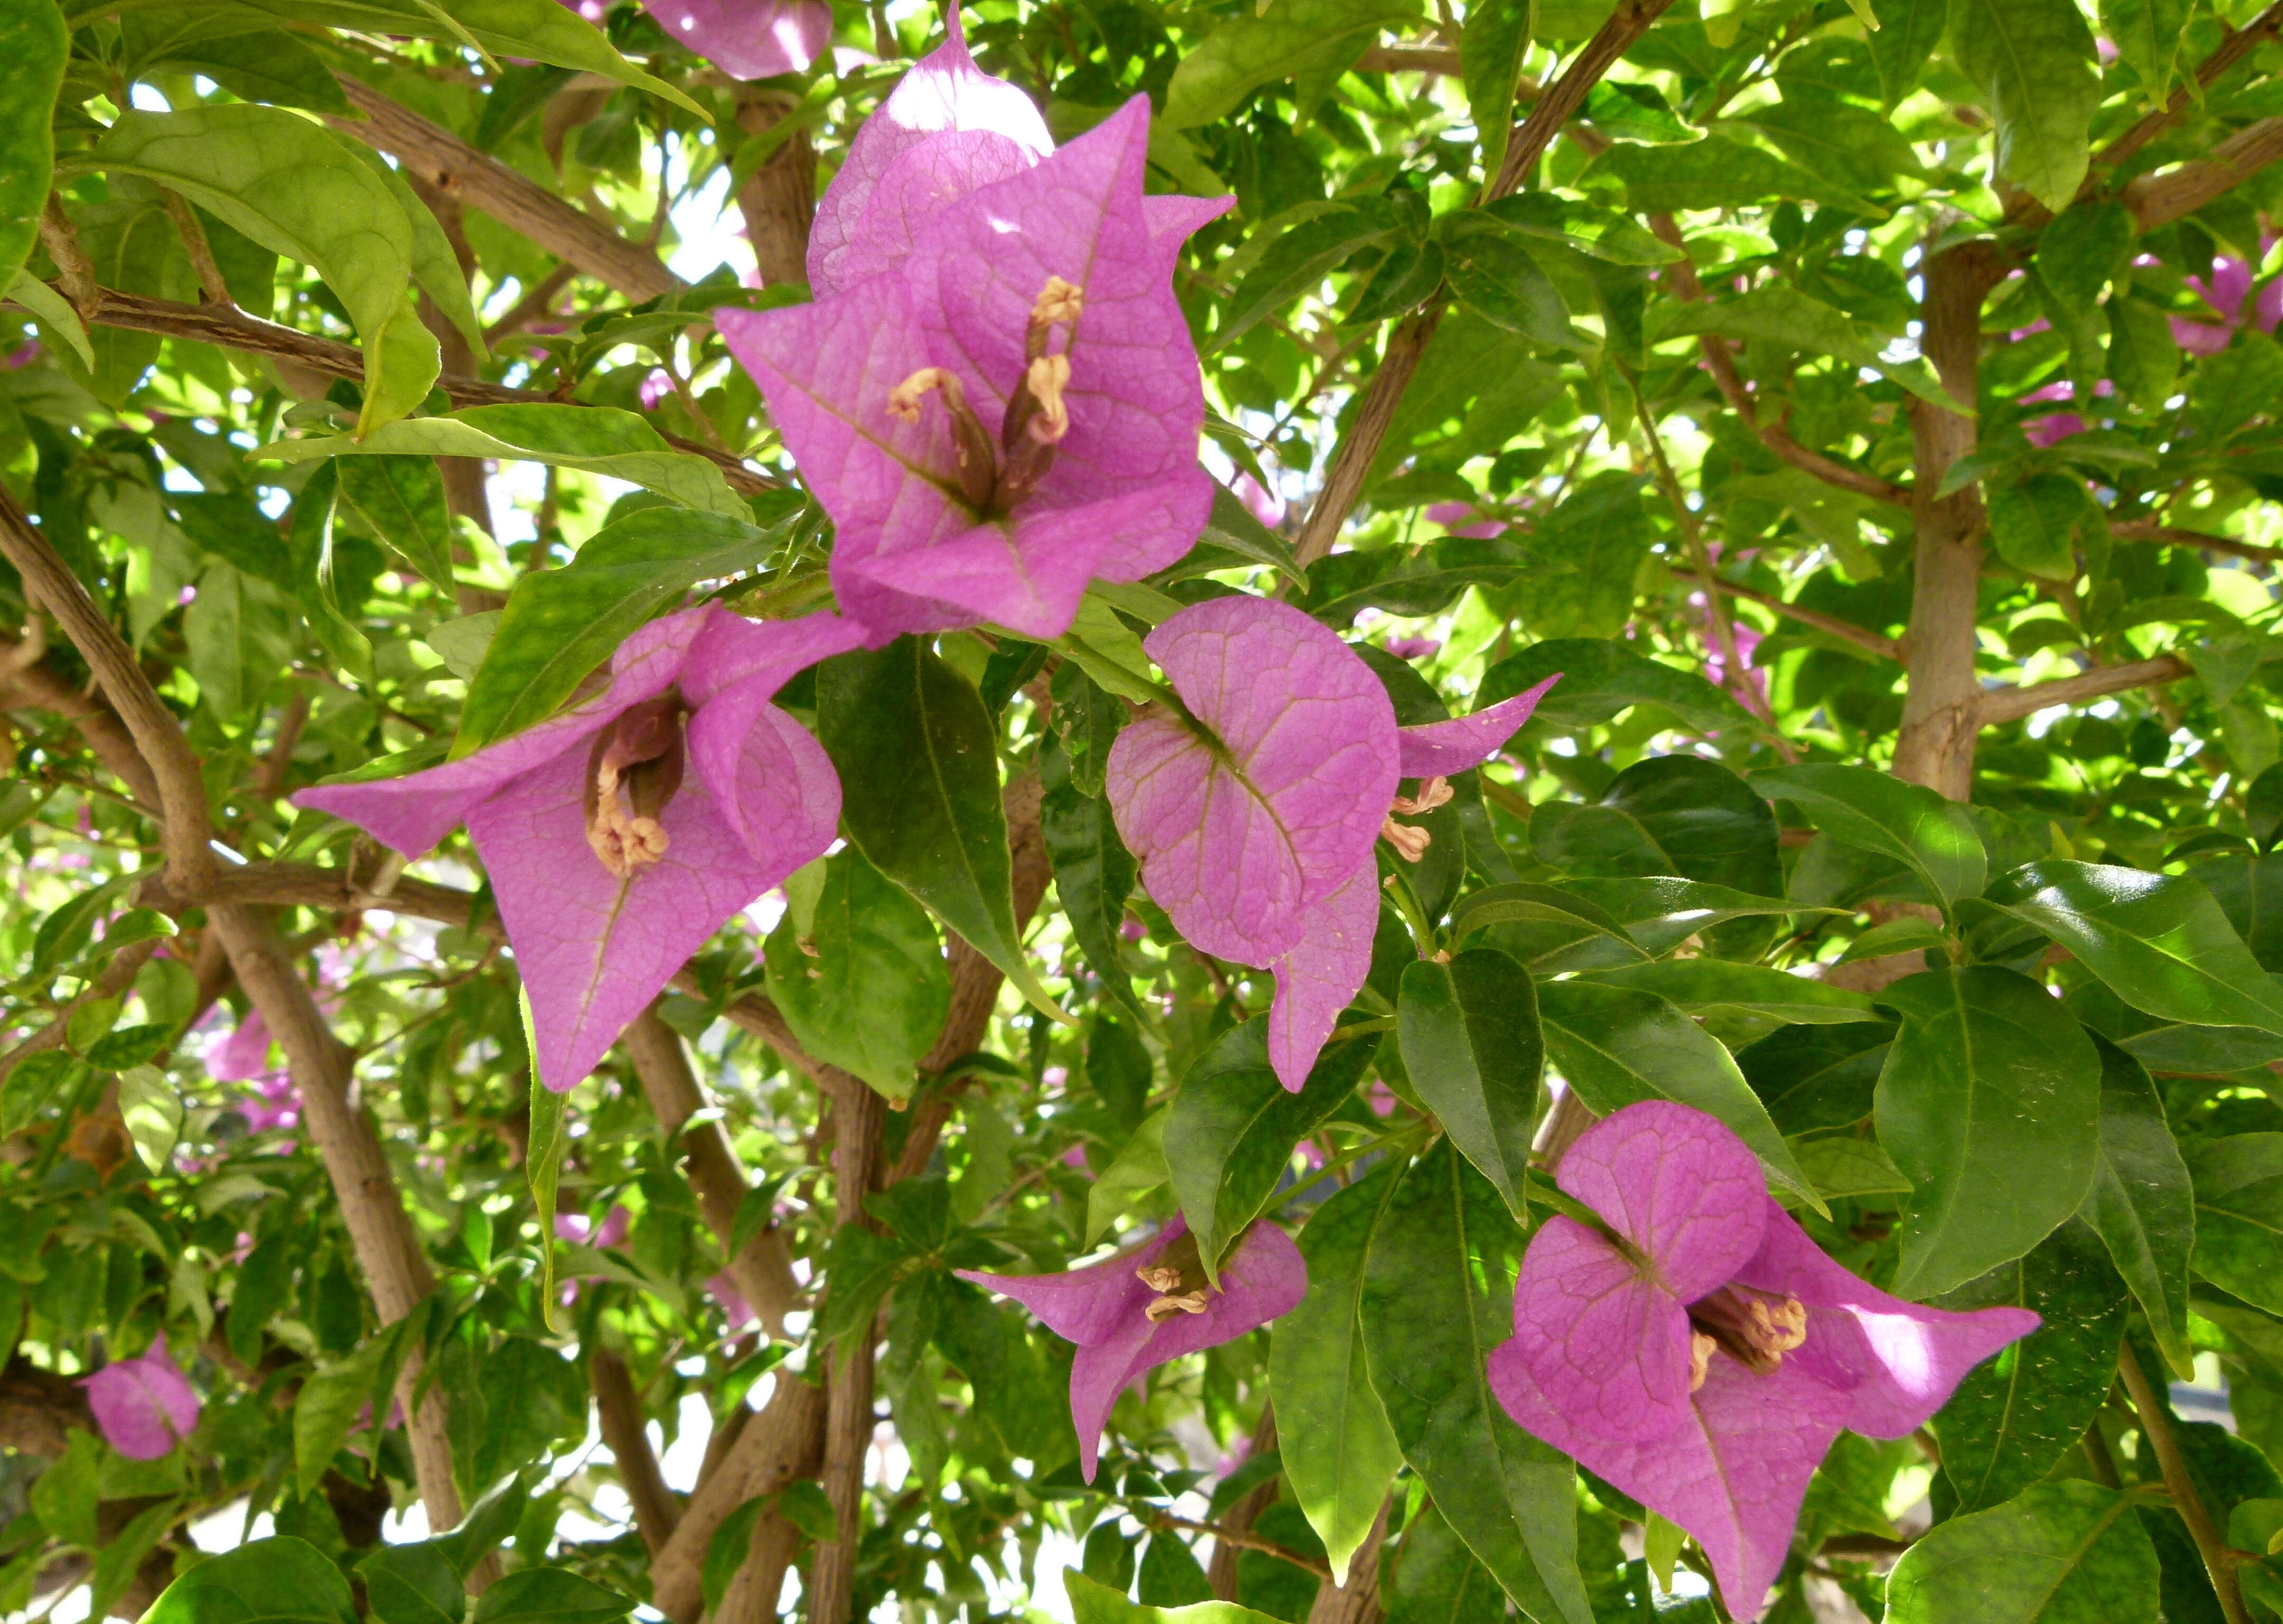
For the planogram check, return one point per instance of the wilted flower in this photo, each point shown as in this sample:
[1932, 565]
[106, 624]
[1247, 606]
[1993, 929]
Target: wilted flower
[1701, 1354]
[1149, 1305]
[611, 868]
[143, 1405]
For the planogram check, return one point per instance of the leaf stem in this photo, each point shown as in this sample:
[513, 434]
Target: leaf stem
[2157, 1428]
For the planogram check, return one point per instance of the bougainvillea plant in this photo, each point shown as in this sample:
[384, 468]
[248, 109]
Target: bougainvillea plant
[1056, 809]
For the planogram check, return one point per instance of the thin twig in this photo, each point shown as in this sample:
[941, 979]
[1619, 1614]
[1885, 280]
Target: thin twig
[1246, 1541]
[2158, 1430]
[1847, 631]
[2003, 704]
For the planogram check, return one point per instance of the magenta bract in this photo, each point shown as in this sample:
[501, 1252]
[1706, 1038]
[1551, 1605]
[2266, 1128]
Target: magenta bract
[1254, 812]
[996, 396]
[1149, 1305]
[143, 1405]
[612, 860]
[1706, 1371]
[750, 39]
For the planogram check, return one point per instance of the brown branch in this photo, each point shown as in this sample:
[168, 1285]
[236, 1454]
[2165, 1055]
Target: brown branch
[182, 792]
[1567, 94]
[2157, 530]
[270, 785]
[2238, 45]
[2003, 704]
[459, 170]
[112, 981]
[39, 686]
[1243, 1539]
[2159, 199]
[212, 288]
[38, 1408]
[1237, 1522]
[859, 1114]
[1720, 361]
[1356, 1602]
[761, 1269]
[1847, 631]
[1399, 363]
[233, 329]
[779, 198]
[2157, 1428]
[73, 270]
[782, 1443]
[619, 1416]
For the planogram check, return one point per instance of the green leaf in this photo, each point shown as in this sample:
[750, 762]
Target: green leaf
[919, 764]
[35, 45]
[1592, 545]
[1092, 1603]
[2143, 1205]
[413, 1584]
[331, 1396]
[63, 1496]
[1491, 47]
[1843, 1167]
[860, 1271]
[1437, 1297]
[1670, 815]
[1229, 1139]
[53, 309]
[1438, 1580]
[1713, 987]
[1471, 1041]
[1138, 1169]
[560, 624]
[593, 439]
[1493, 272]
[1721, 171]
[2150, 36]
[1600, 680]
[280, 1580]
[2082, 248]
[1617, 1046]
[267, 65]
[2036, 523]
[1662, 911]
[1777, 315]
[1548, 930]
[1297, 260]
[402, 499]
[1989, 1103]
[121, 1556]
[2034, 62]
[2016, 1414]
[1903, 42]
[1599, 233]
[289, 185]
[2061, 1553]
[153, 1112]
[1287, 41]
[1338, 1452]
[2238, 1187]
[1233, 539]
[1118, 1070]
[868, 989]
[543, 1158]
[2159, 940]
[550, 1596]
[1913, 824]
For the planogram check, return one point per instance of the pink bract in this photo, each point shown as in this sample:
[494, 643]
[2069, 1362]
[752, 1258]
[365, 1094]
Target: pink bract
[749, 39]
[1253, 811]
[244, 1054]
[143, 1405]
[892, 391]
[1103, 1308]
[947, 129]
[593, 946]
[1600, 1362]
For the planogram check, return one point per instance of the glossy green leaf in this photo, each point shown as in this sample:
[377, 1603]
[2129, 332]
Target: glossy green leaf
[1546, 928]
[1286, 42]
[1989, 1103]
[2061, 1553]
[1338, 1452]
[1719, 172]
[1437, 1297]
[1903, 42]
[919, 768]
[1618, 1045]
[123, 1554]
[867, 989]
[34, 44]
[1818, 1077]
[152, 1111]
[265, 65]
[1491, 50]
[1092, 1603]
[2038, 523]
[1670, 815]
[1600, 680]
[2016, 1414]
[1710, 986]
[1662, 911]
[2034, 63]
[1233, 1128]
[560, 624]
[1295, 262]
[2239, 1189]
[1437, 1581]
[1908, 823]
[292, 188]
[413, 1584]
[1786, 317]
[279, 1581]
[1492, 271]
[2142, 1204]
[551, 1595]
[402, 499]
[1094, 872]
[1845, 1168]
[1471, 1041]
[594, 439]
[2159, 940]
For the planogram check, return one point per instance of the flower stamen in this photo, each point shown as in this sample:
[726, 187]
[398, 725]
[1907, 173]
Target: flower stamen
[1410, 844]
[1433, 793]
[1755, 1329]
[633, 772]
